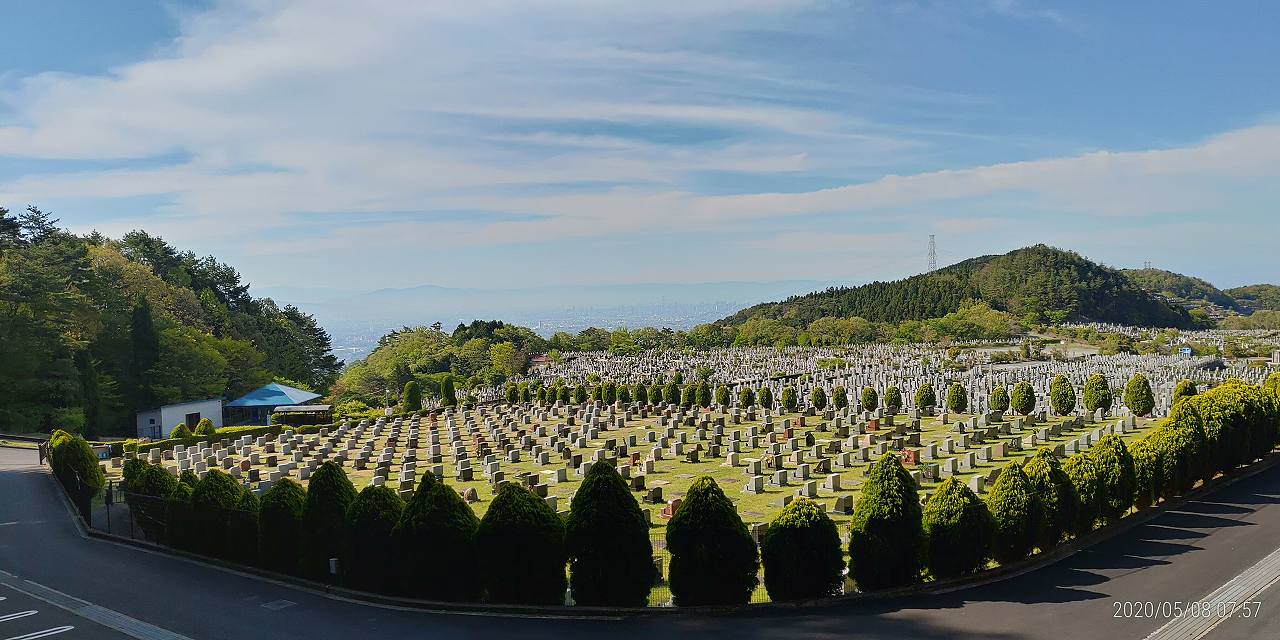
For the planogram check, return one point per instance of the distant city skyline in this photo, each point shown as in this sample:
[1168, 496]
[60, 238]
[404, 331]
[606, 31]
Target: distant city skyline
[499, 145]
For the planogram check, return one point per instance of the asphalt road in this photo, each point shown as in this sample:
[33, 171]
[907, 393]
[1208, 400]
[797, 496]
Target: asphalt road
[1181, 556]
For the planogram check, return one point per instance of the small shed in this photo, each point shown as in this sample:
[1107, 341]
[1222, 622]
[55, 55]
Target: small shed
[156, 423]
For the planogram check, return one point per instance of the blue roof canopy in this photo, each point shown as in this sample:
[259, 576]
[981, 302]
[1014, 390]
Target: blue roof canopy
[274, 395]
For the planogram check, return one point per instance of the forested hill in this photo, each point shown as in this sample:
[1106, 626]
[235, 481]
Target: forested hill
[93, 329]
[1176, 285]
[1040, 283]
[1257, 297]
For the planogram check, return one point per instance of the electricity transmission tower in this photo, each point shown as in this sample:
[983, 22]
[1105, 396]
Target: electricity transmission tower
[933, 254]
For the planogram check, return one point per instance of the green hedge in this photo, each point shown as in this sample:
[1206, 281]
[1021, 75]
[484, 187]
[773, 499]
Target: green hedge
[607, 541]
[372, 561]
[886, 534]
[324, 518]
[1016, 508]
[1057, 495]
[280, 525]
[438, 518]
[521, 546]
[958, 530]
[801, 553]
[714, 561]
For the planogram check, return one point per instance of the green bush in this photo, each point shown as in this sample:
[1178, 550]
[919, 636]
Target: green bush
[76, 467]
[1147, 480]
[1186, 389]
[1137, 395]
[801, 553]
[243, 529]
[671, 393]
[1057, 496]
[1062, 398]
[280, 525]
[180, 432]
[180, 529]
[818, 398]
[640, 393]
[766, 398]
[521, 544]
[609, 394]
[839, 398]
[746, 397]
[713, 558]
[1097, 394]
[438, 518]
[892, 399]
[789, 399]
[886, 535]
[1017, 511]
[958, 530]
[1023, 398]
[999, 398]
[324, 518]
[411, 397]
[372, 559]
[957, 398]
[925, 396]
[1084, 475]
[723, 397]
[607, 542]
[1116, 477]
[205, 428]
[870, 399]
[213, 499]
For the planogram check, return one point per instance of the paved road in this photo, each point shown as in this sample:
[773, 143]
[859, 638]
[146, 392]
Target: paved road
[1182, 556]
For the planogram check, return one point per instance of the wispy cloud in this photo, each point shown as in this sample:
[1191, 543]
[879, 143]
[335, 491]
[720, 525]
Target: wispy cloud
[576, 121]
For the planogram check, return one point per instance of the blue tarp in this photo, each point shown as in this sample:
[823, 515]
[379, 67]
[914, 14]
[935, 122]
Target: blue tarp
[274, 395]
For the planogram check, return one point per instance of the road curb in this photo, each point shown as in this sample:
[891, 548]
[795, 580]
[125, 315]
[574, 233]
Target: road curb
[1033, 563]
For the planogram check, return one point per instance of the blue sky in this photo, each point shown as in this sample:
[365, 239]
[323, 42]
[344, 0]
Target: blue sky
[484, 143]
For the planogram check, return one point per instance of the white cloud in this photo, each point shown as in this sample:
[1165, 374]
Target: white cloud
[445, 108]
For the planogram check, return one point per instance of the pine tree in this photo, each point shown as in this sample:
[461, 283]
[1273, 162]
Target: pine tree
[892, 399]
[1057, 495]
[1062, 398]
[1023, 398]
[818, 398]
[1017, 511]
[1138, 396]
[886, 534]
[1097, 394]
[958, 529]
[870, 399]
[411, 397]
[925, 396]
[957, 398]
[999, 398]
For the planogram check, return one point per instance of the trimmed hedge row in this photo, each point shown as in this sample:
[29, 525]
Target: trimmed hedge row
[434, 547]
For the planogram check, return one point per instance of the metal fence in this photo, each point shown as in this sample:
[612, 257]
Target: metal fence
[660, 596]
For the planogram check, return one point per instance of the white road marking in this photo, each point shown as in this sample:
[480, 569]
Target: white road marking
[101, 615]
[20, 614]
[42, 634]
[1224, 602]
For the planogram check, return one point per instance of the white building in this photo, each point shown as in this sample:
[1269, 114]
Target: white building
[157, 423]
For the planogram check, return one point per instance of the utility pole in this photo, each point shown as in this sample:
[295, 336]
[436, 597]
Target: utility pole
[933, 254]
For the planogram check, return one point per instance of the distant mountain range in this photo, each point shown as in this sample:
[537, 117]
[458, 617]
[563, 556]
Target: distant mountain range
[543, 308]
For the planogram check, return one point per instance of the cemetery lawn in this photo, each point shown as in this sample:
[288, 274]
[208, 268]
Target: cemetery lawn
[675, 476]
